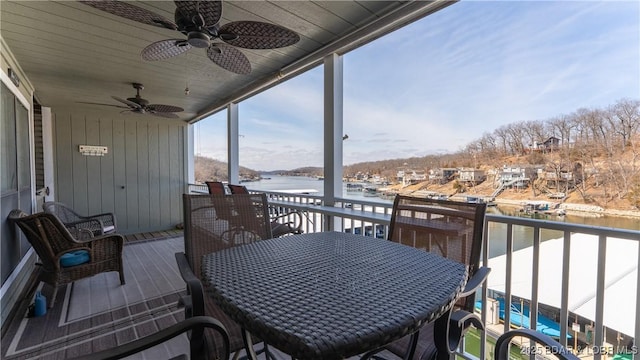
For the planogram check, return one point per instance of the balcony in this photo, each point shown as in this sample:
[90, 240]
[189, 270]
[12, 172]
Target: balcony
[147, 165]
[578, 281]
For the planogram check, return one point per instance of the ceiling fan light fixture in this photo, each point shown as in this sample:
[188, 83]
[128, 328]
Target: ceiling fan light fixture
[198, 39]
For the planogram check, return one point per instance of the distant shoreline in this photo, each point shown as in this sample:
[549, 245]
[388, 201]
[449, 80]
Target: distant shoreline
[571, 208]
[579, 209]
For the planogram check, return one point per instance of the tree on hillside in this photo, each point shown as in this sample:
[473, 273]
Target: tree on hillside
[562, 127]
[534, 130]
[624, 119]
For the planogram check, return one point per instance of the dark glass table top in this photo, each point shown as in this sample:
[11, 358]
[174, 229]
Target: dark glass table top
[330, 294]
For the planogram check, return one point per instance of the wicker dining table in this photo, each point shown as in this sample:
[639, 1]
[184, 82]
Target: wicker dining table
[331, 295]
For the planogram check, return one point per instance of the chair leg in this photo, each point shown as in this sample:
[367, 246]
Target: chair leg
[121, 272]
[53, 297]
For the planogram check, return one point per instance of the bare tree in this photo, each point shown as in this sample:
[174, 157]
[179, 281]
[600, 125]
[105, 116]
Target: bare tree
[595, 129]
[562, 126]
[502, 135]
[624, 119]
[534, 131]
[516, 137]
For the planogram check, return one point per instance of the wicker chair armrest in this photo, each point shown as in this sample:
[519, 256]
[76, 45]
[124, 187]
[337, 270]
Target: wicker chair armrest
[108, 219]
[476, 281]
[105, 246]
[161, 336]
[80, 234]
[94, 225]
[502, 344]
[194, 301]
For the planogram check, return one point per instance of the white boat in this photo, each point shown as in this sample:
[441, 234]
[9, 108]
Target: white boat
[352, 187]
[542, 207]
[370, 190]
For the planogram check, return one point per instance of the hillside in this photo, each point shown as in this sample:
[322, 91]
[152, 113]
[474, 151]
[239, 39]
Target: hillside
[207, 169]
[593, 194]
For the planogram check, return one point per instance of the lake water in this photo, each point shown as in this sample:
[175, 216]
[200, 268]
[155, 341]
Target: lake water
[279, 183]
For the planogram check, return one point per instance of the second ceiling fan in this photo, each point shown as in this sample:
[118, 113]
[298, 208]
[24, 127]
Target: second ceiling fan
[138, 105]
[199, 22]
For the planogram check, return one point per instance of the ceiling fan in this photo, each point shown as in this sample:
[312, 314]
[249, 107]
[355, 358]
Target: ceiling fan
[198, 21]
[138, 105]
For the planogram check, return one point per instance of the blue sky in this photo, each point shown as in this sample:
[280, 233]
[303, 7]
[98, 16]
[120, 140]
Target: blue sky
[443, 81]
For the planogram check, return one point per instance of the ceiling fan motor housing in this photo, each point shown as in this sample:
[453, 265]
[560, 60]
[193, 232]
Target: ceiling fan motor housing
[138, 100]
[198, 39]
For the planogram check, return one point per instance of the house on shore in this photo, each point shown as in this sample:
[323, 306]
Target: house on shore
[442, 175]
[516, 176]
[549, 145]
[470, 175]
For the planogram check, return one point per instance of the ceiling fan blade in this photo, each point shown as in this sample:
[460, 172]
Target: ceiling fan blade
[165, 49]
[131, 104]
[258, 35]
[132, 12]
[229, 58]
[210, 11]
[92, 103]
[164, 108]
[164, 114]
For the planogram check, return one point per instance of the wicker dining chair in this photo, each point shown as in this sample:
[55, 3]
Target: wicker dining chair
[51, 240]
[196, 352]
[215, 187]
[213, 223]
[282, 224]
[97, 225]
[453, 230]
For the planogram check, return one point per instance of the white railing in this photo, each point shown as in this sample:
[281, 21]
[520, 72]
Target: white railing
[198, 189]
[361, 217]
[582, 275]
[588, 273]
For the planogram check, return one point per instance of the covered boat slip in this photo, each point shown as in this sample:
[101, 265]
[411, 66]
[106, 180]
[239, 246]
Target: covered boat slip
[620, 278]
[520, 318]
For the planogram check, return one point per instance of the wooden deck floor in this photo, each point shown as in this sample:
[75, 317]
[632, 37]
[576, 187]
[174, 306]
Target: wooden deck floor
[98, 313]
[156, 235]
